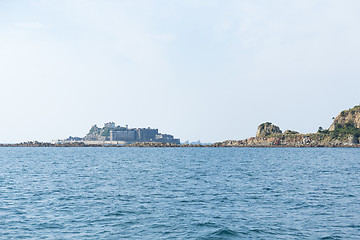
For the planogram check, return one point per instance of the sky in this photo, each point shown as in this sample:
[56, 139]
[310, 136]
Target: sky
[208, 70]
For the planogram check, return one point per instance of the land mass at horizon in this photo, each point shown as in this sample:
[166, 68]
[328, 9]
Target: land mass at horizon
[343, 132]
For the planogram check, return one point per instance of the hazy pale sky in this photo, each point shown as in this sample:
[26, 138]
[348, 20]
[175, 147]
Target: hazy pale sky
[198, 69]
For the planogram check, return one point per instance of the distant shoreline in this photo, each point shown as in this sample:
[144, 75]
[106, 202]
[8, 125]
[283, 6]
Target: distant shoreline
[167, 145]
[344, 132]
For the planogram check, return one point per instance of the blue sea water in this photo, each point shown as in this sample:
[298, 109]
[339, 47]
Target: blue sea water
[179, 193]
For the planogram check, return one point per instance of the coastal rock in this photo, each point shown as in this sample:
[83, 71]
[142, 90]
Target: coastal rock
[291, 132]
[344, 132]
[350, 117]
[93, 134]
[353, 140]
[266, 129]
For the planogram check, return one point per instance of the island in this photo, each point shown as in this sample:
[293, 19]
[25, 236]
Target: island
[111, 134]
[343, 132]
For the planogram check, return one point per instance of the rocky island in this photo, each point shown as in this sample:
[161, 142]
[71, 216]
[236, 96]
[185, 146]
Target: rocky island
[343, 132]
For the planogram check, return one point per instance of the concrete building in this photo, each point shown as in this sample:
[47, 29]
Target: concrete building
[111, 133]
[122, 136]
[141, 135]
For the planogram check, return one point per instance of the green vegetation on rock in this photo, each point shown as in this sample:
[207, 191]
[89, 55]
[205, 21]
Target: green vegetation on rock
[344, 131]
[351, 116]
[291, 132]
[94, 130]
[105, 132]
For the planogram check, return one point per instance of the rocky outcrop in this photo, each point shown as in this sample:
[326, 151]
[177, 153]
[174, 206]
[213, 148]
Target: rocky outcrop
[344, 132]
[347, 117]
[291, 132]
[93, 133]
[267, 129]
[295, 140]
[98, 134]
[353, 139]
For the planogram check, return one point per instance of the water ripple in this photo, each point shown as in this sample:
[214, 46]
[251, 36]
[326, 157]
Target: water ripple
[159, 193]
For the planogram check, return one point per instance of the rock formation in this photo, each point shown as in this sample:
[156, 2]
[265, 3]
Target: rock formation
[291, 132]
[347, 117]
[344, 132]
[267, 129]
[94, 134]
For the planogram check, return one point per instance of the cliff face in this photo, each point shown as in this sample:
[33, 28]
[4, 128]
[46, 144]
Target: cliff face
[267, 129]
[98, 134]
[347, 117]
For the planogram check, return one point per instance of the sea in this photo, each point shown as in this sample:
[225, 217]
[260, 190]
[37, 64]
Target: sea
[179, 193]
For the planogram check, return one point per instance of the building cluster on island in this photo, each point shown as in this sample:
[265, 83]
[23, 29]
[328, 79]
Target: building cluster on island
[112, 134]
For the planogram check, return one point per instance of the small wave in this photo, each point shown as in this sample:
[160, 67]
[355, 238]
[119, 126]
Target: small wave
[159, 225]
[192, 201]
[223, 233]
[353, 226]
[330, 238]
[226, 232]
[207, 224]
[119, 213]
[49, 226]
[19, 212]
